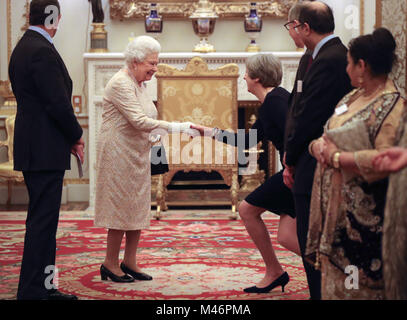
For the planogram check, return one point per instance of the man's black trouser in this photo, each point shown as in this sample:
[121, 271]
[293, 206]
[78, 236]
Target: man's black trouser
[45, 192]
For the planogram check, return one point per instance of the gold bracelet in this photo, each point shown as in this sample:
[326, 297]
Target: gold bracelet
[335, 159]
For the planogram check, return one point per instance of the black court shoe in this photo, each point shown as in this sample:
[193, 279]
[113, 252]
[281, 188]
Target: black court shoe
[58, 295]
[106, 273]
[280, 281]
[134, 274]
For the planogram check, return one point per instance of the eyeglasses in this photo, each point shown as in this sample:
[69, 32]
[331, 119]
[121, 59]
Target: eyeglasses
[287, 25]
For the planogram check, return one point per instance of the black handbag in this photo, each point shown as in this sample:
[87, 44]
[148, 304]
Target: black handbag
[159, 162]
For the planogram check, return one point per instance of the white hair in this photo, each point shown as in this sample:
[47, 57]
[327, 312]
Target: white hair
[139, 48]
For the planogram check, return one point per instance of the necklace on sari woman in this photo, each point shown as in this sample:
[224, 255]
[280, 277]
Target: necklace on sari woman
[375, 94]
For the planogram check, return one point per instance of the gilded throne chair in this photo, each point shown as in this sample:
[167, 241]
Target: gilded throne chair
[7, 172]
[206, 97]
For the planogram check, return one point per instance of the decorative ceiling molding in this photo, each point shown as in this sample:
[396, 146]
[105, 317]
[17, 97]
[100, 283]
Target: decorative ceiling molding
[182, 9]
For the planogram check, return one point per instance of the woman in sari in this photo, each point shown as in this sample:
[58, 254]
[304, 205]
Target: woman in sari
[348, 196]
[393, 161]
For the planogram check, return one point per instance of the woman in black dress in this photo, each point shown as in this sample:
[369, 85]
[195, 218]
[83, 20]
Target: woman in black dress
[263, 77]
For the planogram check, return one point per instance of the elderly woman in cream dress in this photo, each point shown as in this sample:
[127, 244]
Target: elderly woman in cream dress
[123, 172]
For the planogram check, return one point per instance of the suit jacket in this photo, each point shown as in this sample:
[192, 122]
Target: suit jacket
[46, 127]
[269, 124]
[294, 97]
[324, 84]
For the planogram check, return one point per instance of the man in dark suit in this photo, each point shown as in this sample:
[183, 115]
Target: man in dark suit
[46, 132]
[291, 25]
[319, 86]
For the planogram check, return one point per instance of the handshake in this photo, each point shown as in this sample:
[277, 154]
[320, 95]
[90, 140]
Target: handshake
[192, 129]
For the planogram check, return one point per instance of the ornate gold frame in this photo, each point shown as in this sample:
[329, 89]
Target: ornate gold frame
[5, 88]
[26, 15]
[182, 9]
[8, 30]
[379, 22]
[362, 17]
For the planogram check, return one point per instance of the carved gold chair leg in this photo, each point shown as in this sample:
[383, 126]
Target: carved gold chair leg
[234, 193]
[233, 215]
[157, 215]
[160, 197]
[163, 202]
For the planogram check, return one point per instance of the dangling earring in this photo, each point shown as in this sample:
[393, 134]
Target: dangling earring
[361, 81]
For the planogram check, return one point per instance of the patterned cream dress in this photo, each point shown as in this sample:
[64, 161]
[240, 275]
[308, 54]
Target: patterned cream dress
[123, 170]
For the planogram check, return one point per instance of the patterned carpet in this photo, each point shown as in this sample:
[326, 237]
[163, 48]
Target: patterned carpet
[192, 255]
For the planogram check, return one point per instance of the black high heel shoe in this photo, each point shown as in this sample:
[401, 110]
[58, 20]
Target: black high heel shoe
[106, 273]
[280, 281]
[134, 274]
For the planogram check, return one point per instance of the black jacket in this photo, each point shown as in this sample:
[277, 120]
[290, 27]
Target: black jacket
[294, 97]
[325, 83]
[46, 127]
[269, 124]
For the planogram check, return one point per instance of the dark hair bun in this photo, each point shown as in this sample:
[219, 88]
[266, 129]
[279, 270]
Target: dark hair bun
[383, 40]
[376, 49]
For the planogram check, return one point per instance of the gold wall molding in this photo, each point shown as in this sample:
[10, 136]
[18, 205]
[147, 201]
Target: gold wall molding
[362, 17]
[378, 23]
[182, 9]
[5, 86]
[26, 15]
[8, 30]
[392, 14]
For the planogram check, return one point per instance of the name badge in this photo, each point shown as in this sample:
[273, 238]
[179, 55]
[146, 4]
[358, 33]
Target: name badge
[299, 85]
[342, 109]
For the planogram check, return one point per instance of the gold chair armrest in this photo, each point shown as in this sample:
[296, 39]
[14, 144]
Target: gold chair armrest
[3, 144]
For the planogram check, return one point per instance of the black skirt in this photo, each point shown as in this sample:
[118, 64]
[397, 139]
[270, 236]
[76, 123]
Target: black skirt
[274, 196]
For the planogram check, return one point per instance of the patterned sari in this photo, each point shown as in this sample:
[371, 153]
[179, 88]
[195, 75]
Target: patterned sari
[346, 215]
[395, 229]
